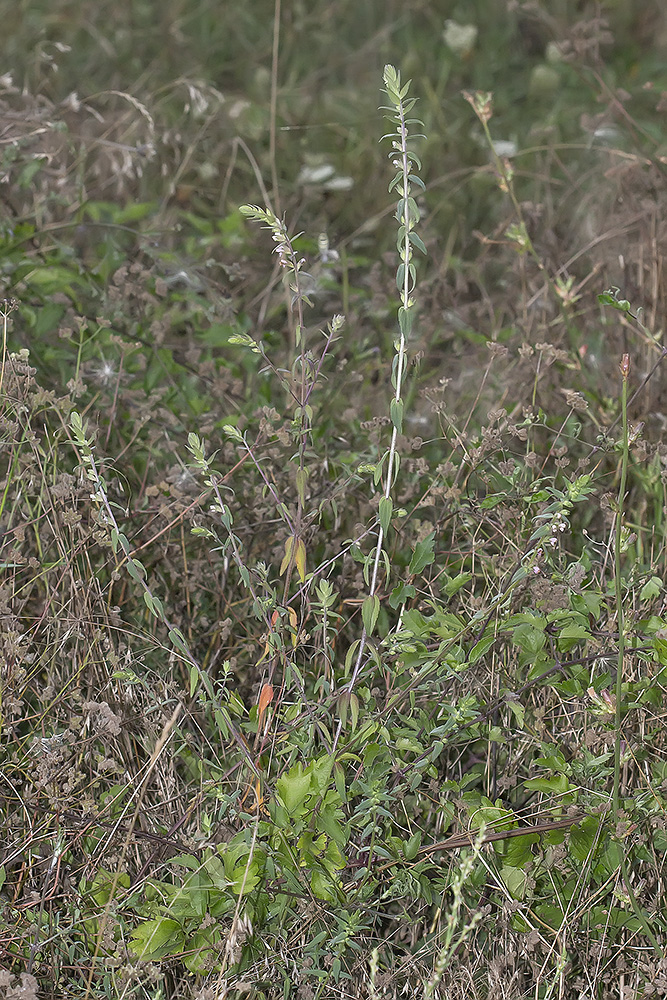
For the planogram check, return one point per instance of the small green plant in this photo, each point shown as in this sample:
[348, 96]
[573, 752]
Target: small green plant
[405, 181]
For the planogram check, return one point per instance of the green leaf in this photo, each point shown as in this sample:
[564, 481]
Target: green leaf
[233, 433]
[400, 277]
[136, 570]
[401, 593]
[323, 887]
[245, 878]
[492, 500]
[194, 679]
[386, 509]
[409, 744]
[301, 481]
[198, 885]
[423, 555]
[651, 589]
[416, 240]
[515, 880]
[186, 861]
[610, 298]
[529, 639]
[293, 788]
[556, 785]
[660, 841]
[481, 647]
[411, 846]
[571, 635]
[370, 610]
[339, 781]
[354, 710]
[583, 837]
[517, 852]
[154, 605]
[157, 938]
[518, 711]
[177, 639]
[52, 279]
[405, 317]
[455, 584]
[215, 870]
[300, 559]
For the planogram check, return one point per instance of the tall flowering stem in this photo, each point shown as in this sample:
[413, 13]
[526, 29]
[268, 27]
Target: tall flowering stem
[404, 160]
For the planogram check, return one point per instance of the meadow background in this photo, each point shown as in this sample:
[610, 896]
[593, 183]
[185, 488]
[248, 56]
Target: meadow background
[333, 613]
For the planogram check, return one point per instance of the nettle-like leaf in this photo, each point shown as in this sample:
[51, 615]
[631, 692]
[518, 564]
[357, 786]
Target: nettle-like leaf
[154, 939]
[293, 788]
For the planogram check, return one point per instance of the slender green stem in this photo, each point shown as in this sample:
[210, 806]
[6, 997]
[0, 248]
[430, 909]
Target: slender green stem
[620, 614]
[404, 161]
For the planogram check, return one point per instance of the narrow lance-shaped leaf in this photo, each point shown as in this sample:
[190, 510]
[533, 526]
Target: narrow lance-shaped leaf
[386, 509]
[370, 610]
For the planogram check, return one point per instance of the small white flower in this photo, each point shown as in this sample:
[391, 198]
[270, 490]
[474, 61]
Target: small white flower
[460, 38]
[505, 147]
[316, 175]
[337, 183]
[105, 373]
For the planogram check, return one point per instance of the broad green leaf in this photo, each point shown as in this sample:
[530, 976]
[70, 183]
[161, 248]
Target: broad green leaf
[402, 593]
[571, 635]
[492, 500]
[293, 788]
[323, 886]
[517, 850]
[216, 872]
[551, 915]
[651, 589]
[660, 841]
[515, 880]
[556, 785]
[157, 938]
[583, 837]
[186, 861]
[245, 878]
[423, 555]
[529, 639]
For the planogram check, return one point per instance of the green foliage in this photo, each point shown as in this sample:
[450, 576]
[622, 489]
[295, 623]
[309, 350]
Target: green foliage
[323, 672]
